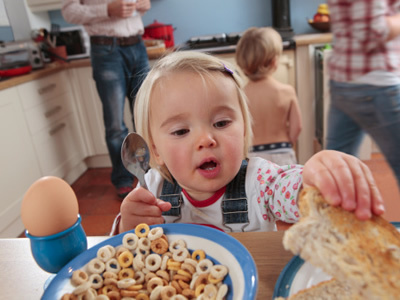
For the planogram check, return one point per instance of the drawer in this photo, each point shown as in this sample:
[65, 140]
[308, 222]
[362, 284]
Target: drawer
[46, 113]
[36, 92]
[57, 147]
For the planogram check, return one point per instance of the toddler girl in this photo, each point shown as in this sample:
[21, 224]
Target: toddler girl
[194, 116]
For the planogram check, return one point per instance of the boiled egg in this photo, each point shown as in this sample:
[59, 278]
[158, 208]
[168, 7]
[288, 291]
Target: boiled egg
[49, 206]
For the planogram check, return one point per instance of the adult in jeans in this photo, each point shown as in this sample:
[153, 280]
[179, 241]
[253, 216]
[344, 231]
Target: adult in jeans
[365, 77]
[120, 63]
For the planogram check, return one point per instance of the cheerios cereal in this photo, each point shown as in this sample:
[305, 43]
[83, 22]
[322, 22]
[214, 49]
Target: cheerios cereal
[147, 266]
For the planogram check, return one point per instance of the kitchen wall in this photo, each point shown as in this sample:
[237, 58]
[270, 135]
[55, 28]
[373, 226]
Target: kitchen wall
[193, 17]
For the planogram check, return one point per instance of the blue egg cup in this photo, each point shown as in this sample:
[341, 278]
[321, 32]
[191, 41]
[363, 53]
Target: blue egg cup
[53, 252]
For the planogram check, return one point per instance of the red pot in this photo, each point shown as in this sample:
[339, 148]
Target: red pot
[160, 31]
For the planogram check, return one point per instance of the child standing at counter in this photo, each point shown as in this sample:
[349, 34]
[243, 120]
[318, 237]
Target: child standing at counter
[194, 116]
[273, 104]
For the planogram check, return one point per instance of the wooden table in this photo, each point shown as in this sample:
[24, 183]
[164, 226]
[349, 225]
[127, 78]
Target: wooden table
[22, 278]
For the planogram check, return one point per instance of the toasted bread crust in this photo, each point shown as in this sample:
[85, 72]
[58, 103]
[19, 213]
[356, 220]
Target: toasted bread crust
[364, 253]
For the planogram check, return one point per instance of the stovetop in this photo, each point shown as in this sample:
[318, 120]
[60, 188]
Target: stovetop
[221, 43]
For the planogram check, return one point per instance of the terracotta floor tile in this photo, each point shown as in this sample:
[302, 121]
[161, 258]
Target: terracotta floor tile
[97, 224]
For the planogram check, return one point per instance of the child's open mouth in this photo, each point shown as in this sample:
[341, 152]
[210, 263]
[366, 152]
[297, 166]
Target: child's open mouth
[210, 165]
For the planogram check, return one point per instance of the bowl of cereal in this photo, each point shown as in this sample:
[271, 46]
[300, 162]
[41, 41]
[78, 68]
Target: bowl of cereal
[177, 261]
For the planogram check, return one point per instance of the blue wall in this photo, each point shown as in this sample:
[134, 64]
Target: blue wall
[193, 17]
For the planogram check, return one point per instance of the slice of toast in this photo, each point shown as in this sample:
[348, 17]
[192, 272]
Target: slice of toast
[362, 254]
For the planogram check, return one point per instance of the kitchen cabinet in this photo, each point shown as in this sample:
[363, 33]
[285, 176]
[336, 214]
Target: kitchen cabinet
[285, 72]
[50, 113]
[91, 114]
[19, 166]
[44, 5]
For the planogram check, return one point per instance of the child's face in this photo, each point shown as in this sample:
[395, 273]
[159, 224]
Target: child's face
[198, 131]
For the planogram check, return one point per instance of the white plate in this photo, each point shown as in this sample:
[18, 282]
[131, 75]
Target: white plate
[299, 275]
[220, 248]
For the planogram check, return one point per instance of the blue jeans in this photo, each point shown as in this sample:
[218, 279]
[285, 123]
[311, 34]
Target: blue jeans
[357, 109]
[118, 72]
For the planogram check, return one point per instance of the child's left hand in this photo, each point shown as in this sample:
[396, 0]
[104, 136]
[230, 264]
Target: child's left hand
[344, 180]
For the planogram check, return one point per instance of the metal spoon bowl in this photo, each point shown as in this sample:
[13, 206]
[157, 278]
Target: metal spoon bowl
[135, 156]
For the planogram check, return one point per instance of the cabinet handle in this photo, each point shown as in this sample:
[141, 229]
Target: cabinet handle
[52, 111]
[47, 88]
[56, 129]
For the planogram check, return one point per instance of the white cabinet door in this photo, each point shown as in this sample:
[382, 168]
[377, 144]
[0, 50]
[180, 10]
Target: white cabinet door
[19, 167]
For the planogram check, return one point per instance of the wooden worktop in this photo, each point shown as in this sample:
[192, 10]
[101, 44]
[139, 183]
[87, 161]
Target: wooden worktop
[314, 38]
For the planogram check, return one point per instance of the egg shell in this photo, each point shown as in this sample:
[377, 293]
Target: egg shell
[49, 207]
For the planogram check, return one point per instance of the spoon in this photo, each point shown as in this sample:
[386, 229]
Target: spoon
[135, 156]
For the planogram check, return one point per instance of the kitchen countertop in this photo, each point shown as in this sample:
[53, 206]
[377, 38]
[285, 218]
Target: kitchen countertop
[51, 68]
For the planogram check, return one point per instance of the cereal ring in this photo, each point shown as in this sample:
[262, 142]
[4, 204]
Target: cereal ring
[159, 246]
[119, 250]
[184, 273]
[109, 288]
[177, 287]
[181, 277]
[144, 244]
[153, 283]
[130, 241]
[102, 297]
[189, 293]
[126, 273]
[96, 281]
[112, 265]
[164, 261]
[176, 245]
[167, 292]
[107, 274]
[201, 280]
[210, 292]
[204, 266]
[180, 254]
[105, 253]
[126, 293]
[173, 265]
[153, 262]
[155, 293]
[138, 263]
[188, 268]
[183, 284]
[96, 266]
[80, 289]
[198, 255]
[194, 278]
[79, 277]
[149, 276]
[125, 283]
[135, 287]
[110, 281]
[125, 259]
[222, 291]
[214, 280]
[114, 295]
[142, 230]
[139, 277]
[218, 271]
[155, 233]
[163, 274]
[199, 290]
[142, 296]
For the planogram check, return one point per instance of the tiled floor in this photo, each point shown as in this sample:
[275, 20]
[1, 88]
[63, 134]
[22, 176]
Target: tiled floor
[99, 204]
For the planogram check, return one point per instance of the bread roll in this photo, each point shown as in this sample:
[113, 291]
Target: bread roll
[364, 255]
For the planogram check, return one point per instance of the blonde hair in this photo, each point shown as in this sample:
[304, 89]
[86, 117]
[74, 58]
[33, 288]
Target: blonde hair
[199, 63]
[256, 51]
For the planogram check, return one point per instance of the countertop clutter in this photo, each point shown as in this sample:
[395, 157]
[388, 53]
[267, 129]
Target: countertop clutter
[153, 52]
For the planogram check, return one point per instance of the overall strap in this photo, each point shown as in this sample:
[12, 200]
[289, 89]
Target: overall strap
[234, 205]
[171, 192]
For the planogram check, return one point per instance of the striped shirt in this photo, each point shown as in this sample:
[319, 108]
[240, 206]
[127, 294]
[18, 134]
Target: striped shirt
[360, 31]
[92, 14]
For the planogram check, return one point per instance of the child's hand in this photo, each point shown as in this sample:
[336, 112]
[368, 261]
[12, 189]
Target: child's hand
[344, 180]
[140, 206]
